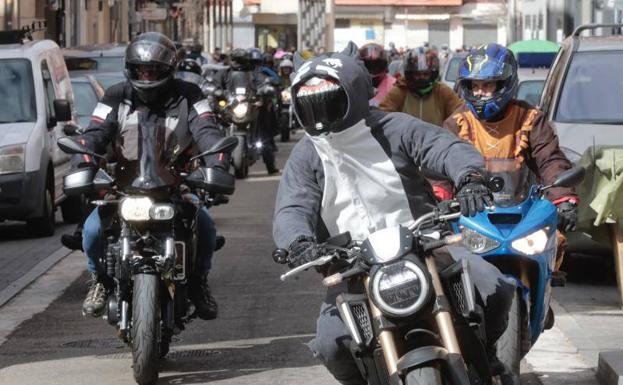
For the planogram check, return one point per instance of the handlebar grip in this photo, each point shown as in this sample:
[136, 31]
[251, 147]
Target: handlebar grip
[280, 256]
[432, 245]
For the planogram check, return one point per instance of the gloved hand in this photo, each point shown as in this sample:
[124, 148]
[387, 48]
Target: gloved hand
[302, 250]
[567, 216]
[474, 196]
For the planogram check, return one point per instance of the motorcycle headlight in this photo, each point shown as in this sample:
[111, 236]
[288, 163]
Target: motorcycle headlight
[240, 111]
[136, 208]
[285, 95]
[400, 289]
[476, 242]
[533, 243]
[12, 159]
[161, 212]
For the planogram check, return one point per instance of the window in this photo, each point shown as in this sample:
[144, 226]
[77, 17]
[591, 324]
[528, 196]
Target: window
[17, 91]
[50, 95]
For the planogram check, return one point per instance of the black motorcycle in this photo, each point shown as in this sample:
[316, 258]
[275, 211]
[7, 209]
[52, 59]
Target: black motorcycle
[410, 323]
[150, 229]
[287, 121]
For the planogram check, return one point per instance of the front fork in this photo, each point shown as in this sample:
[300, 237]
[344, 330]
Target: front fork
[443, 317]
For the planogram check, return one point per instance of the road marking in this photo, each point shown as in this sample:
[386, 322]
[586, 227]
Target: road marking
[39, 269]
[41, 293]
[266, 178]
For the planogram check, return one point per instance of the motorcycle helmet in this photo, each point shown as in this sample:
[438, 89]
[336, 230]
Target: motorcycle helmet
[255, 57]
[189, 65]
[239, 58]
[421, 70]
[267, 60]
[330, 93]
[286, 67]
[374, 58]
[491, 62]
[150, 63]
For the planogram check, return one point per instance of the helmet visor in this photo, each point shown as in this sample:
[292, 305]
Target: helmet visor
[320, 104]
[148, 72]
[375, 67]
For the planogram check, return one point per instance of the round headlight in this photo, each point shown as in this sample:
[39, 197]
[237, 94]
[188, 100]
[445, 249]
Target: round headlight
[162, 212]
[136, 208]
[400, 289]
[240, 111]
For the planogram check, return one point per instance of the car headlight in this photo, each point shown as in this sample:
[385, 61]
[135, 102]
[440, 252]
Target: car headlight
[136, 208]
[240, 111]
[400, 289]
[12, 159]
[533, 243]
[476, 242]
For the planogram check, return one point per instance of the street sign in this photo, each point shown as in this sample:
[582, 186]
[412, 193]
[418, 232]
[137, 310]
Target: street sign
[153, 14]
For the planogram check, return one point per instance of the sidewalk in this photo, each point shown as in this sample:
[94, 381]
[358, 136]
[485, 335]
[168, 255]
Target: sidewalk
[588, 316]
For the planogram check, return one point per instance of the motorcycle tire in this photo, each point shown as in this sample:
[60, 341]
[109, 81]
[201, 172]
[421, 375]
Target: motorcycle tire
[509, 349]
[240, 158]
[284, 129]
[145, 328]
[425, 375]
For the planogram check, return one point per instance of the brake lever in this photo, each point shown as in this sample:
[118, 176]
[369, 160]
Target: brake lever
[316, 262]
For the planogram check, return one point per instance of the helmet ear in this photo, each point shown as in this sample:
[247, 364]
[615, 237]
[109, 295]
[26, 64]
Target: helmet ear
[351, 50]
[298, 61]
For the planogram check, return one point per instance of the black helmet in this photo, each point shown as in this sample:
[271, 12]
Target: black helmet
[150, 62]
[255, 56]
[239, 58]
[189, 65]
[267, 60]
[420, 62]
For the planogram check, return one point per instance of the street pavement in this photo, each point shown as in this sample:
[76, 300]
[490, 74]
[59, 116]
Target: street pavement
[264, 324]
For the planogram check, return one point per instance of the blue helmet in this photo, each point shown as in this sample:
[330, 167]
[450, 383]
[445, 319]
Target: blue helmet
[491, 62]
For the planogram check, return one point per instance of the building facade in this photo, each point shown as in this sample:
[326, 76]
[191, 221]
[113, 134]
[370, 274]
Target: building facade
[406, 23]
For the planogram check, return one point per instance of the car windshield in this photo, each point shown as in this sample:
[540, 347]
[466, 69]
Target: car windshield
[530, 91]
[85, 98]
[110, 64]
[453, 69]
[593, 89]
[17, 91]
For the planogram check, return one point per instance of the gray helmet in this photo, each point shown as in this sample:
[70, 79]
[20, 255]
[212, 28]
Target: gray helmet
[150, 62]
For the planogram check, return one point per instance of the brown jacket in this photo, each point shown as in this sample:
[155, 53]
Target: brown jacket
[533, 140]
[433, 108]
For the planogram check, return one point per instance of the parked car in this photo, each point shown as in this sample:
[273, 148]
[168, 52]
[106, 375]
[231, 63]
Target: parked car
[584, 89]
[531, 83]
[35, 111]
[87, 93]
[104, 62]
[450, 71]
[582, 100]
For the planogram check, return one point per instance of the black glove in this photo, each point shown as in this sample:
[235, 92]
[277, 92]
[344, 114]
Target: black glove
[567, 216]
[474, 195]
[302, 250]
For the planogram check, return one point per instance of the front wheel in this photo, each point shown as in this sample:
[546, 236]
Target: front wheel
[240, 158]
[145, 328]
[509, 344]
[425, 375]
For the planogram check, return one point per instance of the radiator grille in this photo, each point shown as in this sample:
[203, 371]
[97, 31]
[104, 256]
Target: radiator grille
[360, 312]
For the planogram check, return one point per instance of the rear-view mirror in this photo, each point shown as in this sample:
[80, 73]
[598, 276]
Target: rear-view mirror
[62, 110]
[570, 178]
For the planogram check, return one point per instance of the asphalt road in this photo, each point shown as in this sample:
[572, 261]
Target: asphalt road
[259, 337]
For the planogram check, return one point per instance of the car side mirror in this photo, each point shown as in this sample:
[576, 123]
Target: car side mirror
[62, 110]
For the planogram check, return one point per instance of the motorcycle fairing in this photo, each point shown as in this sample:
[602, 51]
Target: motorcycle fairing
[536, 213]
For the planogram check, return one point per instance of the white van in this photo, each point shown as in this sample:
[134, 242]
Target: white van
[35, 110]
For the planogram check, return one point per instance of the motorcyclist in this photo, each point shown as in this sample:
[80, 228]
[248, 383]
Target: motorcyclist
[150, 97]
[374, 58]
[505, 129]
[357, 169]
[419, 93]
[196, 53]
[286, 67]
[189, 70]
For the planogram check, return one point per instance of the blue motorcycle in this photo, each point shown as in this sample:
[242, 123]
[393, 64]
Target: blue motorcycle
[519, 238]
